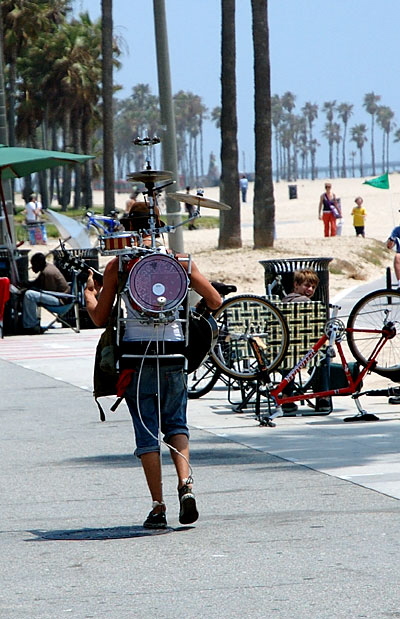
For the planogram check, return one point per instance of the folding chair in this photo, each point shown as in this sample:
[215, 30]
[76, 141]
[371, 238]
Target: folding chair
[71, 303]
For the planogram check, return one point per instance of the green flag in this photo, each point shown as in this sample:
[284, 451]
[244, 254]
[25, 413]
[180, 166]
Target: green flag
[381, 182]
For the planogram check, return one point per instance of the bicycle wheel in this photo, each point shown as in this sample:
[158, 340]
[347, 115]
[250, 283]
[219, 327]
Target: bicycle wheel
[374, 312]
[240, 318]
[202, 380]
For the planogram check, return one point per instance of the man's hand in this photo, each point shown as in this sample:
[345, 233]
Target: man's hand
[92, 285]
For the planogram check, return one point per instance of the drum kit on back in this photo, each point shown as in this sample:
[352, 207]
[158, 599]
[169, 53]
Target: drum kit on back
[157, 282]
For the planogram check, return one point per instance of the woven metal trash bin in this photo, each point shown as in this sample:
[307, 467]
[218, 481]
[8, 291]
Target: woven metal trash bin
[286, 267]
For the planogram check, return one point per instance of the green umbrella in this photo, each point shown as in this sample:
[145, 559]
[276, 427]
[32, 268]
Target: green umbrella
[16, 162]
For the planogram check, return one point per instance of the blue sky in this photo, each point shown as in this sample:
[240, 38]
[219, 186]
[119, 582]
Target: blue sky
[321, 50]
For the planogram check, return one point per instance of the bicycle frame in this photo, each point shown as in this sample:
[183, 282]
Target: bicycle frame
[99, 221]
[352, 384]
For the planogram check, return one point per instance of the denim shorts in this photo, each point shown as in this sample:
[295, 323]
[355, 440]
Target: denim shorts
[172, 404]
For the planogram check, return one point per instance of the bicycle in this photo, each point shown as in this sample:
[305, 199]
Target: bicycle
[103, 225]
[254, 339]
[206, 376]
[210, 372]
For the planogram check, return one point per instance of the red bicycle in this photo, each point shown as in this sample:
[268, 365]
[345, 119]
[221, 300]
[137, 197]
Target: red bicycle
[254, 338]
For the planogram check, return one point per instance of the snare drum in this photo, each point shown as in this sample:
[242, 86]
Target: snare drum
[117, 243]
[157, 283]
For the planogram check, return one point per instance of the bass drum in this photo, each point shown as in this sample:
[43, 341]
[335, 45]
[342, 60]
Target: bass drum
[157, 284]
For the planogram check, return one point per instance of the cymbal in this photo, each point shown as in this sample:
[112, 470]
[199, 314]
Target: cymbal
[199, 201]
[150, 176]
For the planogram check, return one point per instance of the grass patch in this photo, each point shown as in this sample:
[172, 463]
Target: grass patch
[203, 222]
[376, 254]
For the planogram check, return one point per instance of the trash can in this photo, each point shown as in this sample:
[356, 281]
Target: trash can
[21, 261]
[286, 267]
[91, 259]
[292, 192]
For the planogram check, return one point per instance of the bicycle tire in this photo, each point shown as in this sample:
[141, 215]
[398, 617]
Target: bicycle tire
[245, 315]
[371, 313]
[203, 379]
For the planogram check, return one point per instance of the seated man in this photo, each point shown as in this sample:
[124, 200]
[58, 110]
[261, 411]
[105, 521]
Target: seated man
[50, 279]
[304, 285]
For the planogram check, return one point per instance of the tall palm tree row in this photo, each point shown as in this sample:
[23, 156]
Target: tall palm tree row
[139, 115]
[53, 77]
[294, 135]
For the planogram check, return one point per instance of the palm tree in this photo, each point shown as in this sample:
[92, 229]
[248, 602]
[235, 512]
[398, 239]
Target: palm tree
[310, 112]
[229, 232]
[288, 100]
[70, 81]
[23, 23]
[353, 158]
[385, 121]
[330, 133]
[396, 136]
[108, 113]
[276, 119]
[371, 105]
[358, 136]
[216, 116]
[264, 203]
[345, 110]
[336, 137]
[329, 108]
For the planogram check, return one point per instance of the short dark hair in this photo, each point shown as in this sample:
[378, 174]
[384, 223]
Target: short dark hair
[38, 261]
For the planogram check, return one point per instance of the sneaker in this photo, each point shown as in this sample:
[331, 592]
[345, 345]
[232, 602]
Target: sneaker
[155, 520]
[290, 407]
[188, 512]
[323, 405]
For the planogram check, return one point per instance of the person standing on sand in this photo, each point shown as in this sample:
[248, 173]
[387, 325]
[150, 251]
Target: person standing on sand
[328, 210]
[359, 214]
[244, 183]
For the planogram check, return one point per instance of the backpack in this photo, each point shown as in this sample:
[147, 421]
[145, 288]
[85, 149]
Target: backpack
[105, 372]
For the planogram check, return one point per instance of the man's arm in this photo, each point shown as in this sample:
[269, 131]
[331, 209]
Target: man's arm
[99, 300]
[201, 285]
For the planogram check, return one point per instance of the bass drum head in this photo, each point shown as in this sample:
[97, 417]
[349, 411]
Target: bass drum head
[154, 279]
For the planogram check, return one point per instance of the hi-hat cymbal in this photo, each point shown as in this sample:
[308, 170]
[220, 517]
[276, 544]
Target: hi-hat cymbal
[150, 176]
[199, 201]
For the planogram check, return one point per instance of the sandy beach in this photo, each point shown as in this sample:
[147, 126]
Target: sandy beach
[299, 233]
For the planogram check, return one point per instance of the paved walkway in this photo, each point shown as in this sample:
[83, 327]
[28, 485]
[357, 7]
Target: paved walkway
[297, 521]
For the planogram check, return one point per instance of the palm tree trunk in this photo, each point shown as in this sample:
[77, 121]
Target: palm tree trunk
[108, 116]
[373, 143]
[229, 231]
[264, 204]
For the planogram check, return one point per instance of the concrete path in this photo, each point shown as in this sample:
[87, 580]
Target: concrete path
[296, 521]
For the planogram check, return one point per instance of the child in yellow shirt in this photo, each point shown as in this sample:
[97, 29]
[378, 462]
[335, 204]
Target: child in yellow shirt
[359, 214]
